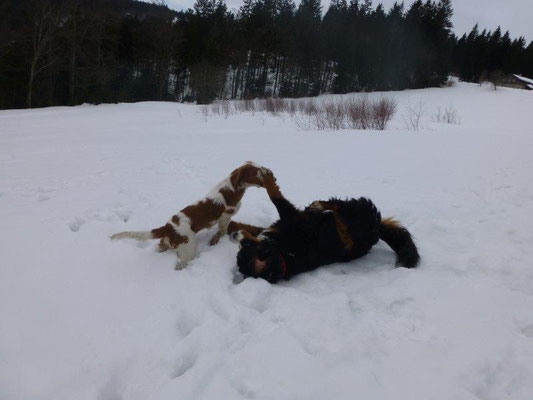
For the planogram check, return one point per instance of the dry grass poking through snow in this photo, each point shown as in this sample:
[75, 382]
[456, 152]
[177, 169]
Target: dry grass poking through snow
[316, 114]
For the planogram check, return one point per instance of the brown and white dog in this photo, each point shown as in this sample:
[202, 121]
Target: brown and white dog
[220, 204]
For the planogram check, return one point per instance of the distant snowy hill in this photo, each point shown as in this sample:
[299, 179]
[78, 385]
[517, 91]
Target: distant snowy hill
[85, 318]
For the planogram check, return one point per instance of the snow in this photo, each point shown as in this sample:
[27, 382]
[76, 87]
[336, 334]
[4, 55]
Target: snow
[86, 318]
[524, 79]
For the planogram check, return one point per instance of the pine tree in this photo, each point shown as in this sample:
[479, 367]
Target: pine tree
[125, 50]
[306, 80]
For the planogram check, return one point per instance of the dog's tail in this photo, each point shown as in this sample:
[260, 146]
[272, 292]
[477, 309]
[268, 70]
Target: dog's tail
[400, 240]
[138, 235]
[156, 233]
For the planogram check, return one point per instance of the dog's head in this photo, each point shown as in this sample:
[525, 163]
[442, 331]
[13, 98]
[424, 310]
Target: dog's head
[261, 259]
[248, 174]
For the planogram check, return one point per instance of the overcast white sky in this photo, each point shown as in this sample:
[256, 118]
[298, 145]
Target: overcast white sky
[513, 15]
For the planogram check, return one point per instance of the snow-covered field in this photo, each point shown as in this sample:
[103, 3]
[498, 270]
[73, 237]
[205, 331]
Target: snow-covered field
[84, 318]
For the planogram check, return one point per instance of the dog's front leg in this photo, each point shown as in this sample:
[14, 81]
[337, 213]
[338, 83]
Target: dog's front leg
[223, 223]
[286, 209]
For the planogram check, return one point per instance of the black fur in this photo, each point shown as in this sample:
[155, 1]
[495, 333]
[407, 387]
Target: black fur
[400, 240]
[305, 240]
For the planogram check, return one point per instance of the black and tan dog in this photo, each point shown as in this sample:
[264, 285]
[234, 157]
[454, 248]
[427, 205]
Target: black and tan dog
[325, 232]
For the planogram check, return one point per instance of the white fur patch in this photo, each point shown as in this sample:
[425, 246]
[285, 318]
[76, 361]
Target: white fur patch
[184, 227]
[186, 251]
[237, 236]
[235, 209]
[216, 196]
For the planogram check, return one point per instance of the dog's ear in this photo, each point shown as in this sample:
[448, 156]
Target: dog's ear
[248, 173]
[236, 177]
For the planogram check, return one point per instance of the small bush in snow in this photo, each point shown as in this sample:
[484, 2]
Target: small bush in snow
[307, 107]
[316, 114]
[382, 112]
[221, 107]
[351, 113]
[451, 82]
[247, 105]
[448, 116]
[413, 115]
[273, 105]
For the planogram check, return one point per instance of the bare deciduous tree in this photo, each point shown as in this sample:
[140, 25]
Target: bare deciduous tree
[44, 15]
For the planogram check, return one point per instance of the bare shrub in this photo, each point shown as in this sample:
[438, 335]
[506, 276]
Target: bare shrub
[353, 113]
[239, 106]
[382, 112]
[314, 114]
[221, 107]
[451, 117]
[365, 114]
[314, 122]
[225, 108]
[281, 105]
[333, 115]
[357, 113]
[214, 108]
[273, 105]
[438, 117]
[450, 82]
[269, 105]
[413, 115]
[448, 116]
[303, 122]
[204, 110]
[307, 107]
[319, 122]
[247, 105]
[292, 106]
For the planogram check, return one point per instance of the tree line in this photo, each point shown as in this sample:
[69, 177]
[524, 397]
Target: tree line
[68, 52]
[489, 55]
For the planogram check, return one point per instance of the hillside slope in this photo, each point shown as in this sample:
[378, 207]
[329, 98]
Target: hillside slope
[85, 318]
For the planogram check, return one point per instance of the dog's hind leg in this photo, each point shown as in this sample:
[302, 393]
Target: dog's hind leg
[163, 245]
[186, 252]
